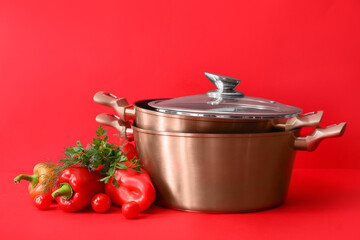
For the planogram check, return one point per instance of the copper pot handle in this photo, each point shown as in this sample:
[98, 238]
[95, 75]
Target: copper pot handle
[114, 121]
[312, 119]
[311, 141]
[120, 105]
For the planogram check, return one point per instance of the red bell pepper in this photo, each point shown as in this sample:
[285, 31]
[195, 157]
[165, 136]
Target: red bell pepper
[127, 148]
[77, 187]
[133, 186]
[42, 171]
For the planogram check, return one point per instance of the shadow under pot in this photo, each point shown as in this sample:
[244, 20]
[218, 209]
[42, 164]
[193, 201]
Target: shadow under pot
[224, 110]
[220, 173]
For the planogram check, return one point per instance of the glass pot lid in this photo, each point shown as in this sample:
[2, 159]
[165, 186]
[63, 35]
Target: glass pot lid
[225, 102]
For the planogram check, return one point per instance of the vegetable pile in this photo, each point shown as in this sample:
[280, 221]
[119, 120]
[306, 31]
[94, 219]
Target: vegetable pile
[98, 175]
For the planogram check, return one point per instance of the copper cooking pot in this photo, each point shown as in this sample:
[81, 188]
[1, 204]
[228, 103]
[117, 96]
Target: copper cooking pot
[224, 110]
[220, 173]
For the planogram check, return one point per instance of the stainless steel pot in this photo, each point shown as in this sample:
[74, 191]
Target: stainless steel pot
[220, 173]
[219, 111]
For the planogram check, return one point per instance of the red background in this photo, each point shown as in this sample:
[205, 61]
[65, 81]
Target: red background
[55, 55]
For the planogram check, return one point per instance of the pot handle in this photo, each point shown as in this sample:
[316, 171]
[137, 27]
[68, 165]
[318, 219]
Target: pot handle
[312, 119]
[311, 141]
[120, 105]
[114, 121]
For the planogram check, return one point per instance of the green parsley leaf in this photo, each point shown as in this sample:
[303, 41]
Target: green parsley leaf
[98, 153]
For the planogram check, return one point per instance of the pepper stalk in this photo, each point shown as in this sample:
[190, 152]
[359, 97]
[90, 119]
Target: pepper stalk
[33, 179]
[65, 191]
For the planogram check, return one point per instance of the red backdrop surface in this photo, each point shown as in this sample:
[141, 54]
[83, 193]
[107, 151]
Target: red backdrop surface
[55, 55]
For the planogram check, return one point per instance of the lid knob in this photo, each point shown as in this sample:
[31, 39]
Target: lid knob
[225, 86]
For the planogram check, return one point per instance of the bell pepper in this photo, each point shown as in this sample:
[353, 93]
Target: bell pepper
[41, 172]
[127, 148]
[133, 186]
[77, 187]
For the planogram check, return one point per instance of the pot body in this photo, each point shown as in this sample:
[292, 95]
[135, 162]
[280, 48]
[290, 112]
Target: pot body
[147, 117]
[217, 173]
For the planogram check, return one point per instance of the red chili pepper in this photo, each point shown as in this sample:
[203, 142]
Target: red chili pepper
[77, 187]
[41, 172]
[133, 186]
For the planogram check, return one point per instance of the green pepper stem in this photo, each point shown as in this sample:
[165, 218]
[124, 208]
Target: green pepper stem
[65, 191]
[33, 179]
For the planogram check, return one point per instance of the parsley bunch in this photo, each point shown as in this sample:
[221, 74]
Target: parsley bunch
[98, 155]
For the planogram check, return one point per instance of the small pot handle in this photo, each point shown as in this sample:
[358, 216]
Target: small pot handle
[312, 119]
[120, 105]
[311, 141]
[114, 121]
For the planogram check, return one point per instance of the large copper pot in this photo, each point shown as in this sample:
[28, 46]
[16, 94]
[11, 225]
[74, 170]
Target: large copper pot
[220, 173]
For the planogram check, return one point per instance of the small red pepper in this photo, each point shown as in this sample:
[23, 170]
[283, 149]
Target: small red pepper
[43, 201]
[130, 210]
[133, 186]
[77, 187]
[41, 172]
